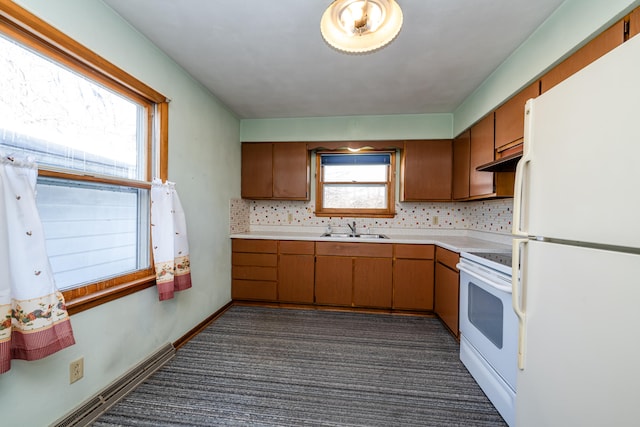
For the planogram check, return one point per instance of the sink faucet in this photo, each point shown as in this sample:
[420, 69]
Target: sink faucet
[353, 228]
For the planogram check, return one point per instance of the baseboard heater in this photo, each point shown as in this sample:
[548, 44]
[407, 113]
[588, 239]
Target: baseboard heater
[95, 406]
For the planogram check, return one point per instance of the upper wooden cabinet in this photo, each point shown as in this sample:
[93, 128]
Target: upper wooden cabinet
[509, 120]
[278, 170]
[634, 23]
[606, 41]
[461, 165]
[290, 171]
[426, 170]
[481, 152]
[257, 170]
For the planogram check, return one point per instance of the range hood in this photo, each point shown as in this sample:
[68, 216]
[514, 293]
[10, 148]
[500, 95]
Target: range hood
[503, 164]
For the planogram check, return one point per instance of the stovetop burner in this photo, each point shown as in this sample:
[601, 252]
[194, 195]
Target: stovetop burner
[500, 258]
[500, 261]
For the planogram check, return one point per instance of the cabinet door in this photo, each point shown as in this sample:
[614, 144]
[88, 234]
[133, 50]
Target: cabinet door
[606, 41]
[413, 284]
[461, 165]
[372, 282]
[290, 171]
[634, 23]
[510, 117]
[256, 172]
[427, 170]
[447, 296]
[482, 151]
[295, 278]
[334, 277]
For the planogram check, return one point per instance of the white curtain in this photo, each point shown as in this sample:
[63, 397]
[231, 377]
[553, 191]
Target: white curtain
[169, 240]
[34, 322]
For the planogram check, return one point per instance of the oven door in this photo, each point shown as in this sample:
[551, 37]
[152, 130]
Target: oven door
[487, 319]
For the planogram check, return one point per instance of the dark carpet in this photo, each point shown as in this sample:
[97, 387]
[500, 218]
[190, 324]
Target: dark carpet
[266, 366]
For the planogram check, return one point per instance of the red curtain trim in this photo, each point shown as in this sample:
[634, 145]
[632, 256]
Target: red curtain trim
[36, 345]
[179, 283]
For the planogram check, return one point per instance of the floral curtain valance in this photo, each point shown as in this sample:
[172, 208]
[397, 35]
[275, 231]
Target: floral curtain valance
[34, 322]
[169, 240]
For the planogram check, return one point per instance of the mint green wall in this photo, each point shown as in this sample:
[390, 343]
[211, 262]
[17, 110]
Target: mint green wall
[571, 26]
[204, 161]
[403, 126]
[568, 28]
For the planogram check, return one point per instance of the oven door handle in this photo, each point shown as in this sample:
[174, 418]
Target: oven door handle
[485, 279]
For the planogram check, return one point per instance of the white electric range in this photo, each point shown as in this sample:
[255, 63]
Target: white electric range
[489, 327]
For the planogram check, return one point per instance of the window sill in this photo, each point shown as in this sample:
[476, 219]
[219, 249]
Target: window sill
[352, 214]
[82, 303]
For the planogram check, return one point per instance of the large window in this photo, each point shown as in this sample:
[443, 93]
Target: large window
[355, 184]
[97, 135]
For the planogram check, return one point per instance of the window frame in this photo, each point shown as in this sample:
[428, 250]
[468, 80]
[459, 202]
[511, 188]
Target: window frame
[388, 212]
[20, 25]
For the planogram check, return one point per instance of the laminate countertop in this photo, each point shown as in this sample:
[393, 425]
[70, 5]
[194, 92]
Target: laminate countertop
[456, 241]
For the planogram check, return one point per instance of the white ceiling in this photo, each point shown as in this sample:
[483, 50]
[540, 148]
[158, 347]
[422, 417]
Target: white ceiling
[267, 59]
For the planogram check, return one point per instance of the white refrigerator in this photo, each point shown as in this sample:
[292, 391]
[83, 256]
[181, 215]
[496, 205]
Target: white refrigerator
[576, 251]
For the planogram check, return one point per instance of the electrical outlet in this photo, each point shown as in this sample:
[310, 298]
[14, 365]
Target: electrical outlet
[76, 370]
[434, 220]
[290, 217]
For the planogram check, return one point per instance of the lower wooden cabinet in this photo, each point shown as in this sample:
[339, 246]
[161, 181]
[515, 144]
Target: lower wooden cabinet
[334, 280]
[447, 288]
[372, 283]
[254, 269]
[296, 265]
[354, 274]
[368, 275]
[413, 274]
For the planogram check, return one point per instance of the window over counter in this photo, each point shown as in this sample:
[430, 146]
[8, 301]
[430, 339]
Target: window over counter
[98, 136]
[355, 184]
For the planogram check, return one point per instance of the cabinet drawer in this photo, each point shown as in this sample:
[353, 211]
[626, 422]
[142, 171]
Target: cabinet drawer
[260, 260]
[379, 250]
[447, 257]
[254, 245]
[243, 289]
[254, 273]
[296, 247]
[415, 251]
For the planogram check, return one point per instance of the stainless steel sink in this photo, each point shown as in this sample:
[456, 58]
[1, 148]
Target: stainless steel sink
[372, 236]
[355, 236]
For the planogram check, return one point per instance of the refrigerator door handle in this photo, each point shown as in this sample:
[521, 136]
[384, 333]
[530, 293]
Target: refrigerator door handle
[520, 168]
[518, 287]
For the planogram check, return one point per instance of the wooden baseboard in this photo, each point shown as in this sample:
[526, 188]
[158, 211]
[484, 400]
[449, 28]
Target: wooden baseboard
[200, 326]
[425, 313]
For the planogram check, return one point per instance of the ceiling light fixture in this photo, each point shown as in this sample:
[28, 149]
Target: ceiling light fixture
[359, 26]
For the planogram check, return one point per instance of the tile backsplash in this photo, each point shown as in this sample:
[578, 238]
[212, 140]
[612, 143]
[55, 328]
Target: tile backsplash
[493, 216]
[239, 210]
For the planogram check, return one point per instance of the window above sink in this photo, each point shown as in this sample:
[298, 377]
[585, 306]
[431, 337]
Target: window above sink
[355, 184]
